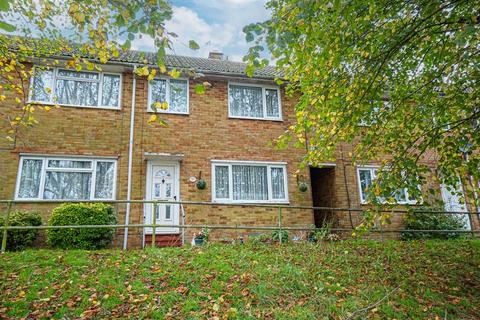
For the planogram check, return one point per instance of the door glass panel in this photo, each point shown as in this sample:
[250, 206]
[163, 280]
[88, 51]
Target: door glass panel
[168, 214]
[157, 190]
[168, 190]
[157, 212]
[162, 174]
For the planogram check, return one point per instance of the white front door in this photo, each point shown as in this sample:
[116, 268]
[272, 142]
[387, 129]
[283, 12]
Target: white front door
[162, 185]
[453, 202]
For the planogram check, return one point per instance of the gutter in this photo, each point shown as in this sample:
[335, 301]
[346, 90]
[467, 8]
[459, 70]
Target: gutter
[130, 160]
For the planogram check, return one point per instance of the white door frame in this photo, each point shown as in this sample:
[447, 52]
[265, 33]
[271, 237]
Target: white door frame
[147, 211]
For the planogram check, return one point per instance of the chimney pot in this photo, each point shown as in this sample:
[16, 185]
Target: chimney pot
[215, 54]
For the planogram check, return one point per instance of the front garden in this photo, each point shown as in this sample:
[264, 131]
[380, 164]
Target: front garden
[431, 279]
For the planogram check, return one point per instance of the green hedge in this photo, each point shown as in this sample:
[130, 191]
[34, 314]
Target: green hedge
[432, 221]
[21, 239]
[81, 214]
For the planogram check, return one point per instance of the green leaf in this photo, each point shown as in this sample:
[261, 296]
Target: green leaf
[193, 45]
[199, 89]
[5, 5]
[7, 27]
[249, 70]
[161, 56]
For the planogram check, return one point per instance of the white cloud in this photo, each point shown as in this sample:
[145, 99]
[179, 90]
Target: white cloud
[224, 34]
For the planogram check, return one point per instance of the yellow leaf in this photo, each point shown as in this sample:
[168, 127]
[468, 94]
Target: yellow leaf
[47, 108]
[153, 118]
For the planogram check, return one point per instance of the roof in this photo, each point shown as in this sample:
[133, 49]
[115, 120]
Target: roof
[201, 65]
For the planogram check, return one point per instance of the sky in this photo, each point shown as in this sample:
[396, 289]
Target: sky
[213, 24]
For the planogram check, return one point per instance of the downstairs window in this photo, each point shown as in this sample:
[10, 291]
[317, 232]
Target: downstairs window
[366, 176]
[249, 182]
[66, 178]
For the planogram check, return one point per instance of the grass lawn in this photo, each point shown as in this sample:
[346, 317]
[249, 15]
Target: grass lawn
[356, 279]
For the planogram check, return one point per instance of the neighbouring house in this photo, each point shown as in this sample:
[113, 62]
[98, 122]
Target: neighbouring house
[100, 146]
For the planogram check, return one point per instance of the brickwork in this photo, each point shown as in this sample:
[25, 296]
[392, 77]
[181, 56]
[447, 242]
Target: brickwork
[206, 134]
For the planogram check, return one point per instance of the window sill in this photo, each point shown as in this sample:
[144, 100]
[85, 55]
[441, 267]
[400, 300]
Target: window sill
[169, 112]
[73, 105]
[273, 203]
[364, 203]
[37, 200]
[251, 118]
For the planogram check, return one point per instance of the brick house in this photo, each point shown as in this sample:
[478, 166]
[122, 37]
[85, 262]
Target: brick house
[99, 145]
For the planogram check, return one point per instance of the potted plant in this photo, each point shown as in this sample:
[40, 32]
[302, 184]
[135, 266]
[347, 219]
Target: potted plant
[200, 238]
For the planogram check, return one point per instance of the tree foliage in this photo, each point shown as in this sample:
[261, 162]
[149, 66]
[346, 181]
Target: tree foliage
[398, 79]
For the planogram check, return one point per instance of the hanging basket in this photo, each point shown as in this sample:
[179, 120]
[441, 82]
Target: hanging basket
[303, 187]
[201, 184]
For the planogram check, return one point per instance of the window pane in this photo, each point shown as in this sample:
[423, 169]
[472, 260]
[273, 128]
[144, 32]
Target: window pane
[221, 182]
[246, 101]
[110, 90]
[178, 96]
[78, 164]
[67, 185]
[30, 178]
[278, 188]
[104, 180]
[365, 182]
[400, 195]
[249, 182]
[272, 103]
[168, 213]
[42, 85]
[79, 93]
[79, 75]
[158, 91]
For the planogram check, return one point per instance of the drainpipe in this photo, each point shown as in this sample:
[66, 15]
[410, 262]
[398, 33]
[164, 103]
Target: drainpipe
[130, 160]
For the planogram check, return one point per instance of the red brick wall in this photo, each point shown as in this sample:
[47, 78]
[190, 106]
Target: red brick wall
[204, 135]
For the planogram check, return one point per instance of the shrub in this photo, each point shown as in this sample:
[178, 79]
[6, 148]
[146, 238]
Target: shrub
[21, 239]
[81, 214]
[277, 235]
[259, 238]
[432, 221]
[320, 234]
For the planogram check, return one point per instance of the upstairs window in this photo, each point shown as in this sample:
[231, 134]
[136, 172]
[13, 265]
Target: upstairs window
[172, 91]
[366, 176]
[66, 178]
[249, 182]
[254, 102]
[76, 88]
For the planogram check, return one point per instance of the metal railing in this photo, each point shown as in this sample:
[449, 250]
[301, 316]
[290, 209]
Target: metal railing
[183, 226]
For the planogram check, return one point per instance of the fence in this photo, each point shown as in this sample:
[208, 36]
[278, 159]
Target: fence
[279, 226]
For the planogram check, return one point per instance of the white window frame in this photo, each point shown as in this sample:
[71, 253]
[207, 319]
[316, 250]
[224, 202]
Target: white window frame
[55, 76]
[44, 170]
[264, 101]
[167, 79]
[373, 173]
[269, 165]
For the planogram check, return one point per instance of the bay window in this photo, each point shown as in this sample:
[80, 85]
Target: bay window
[172, 91]
[366, 176]
[254, 101]
[66, 178]
[75, 88]
[235, 181]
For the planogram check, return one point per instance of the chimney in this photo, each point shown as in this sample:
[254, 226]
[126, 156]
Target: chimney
[215, 54]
